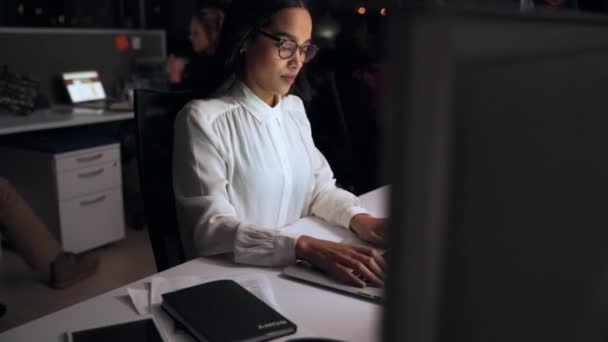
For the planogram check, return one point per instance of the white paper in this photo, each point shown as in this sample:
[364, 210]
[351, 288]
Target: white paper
[376, 201]
[140, 299]
[315, 227]
[260, 286]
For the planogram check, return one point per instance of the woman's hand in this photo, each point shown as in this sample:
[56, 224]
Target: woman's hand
[175, 68]
[368, 228]
[352, 265]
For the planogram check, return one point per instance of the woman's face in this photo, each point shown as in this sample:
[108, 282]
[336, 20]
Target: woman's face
[198, 36]
[266, 73]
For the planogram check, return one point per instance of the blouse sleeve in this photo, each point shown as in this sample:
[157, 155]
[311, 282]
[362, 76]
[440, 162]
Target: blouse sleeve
[330, 203]
[208, 222]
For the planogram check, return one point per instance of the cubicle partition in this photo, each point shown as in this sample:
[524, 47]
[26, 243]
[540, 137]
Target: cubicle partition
[45, 53]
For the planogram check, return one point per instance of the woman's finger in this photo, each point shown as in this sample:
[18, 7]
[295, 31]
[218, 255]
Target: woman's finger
[371, 265]
[346, 275]
[359, 267]
[362, 249]
[379, 259]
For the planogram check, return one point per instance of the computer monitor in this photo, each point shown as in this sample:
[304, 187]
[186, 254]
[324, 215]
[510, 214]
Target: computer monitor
[499, 206]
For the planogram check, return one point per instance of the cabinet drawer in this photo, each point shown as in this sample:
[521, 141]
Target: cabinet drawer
[91, 221]
[88, 157]
[87, 180]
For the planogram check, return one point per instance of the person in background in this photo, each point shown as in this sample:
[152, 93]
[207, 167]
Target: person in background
[205, 29]
[245, 166]
[35, 244]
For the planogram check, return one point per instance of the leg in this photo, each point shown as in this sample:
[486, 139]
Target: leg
[25, 230]
[35, 243]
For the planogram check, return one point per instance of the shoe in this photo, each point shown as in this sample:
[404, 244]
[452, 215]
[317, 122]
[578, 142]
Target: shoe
[2, 310]
[69, 268]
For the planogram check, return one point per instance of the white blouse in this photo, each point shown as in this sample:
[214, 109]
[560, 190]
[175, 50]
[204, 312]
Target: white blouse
[244, 171]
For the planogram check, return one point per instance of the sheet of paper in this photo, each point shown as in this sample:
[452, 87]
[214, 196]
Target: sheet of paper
[140, 299]
[319, 229]
[377, 201]
[261, 287]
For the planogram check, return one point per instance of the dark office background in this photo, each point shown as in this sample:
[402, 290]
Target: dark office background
[348, 68]
[174, 16]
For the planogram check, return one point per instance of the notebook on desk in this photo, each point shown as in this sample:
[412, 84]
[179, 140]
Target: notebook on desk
[86, 90]
[223, 310]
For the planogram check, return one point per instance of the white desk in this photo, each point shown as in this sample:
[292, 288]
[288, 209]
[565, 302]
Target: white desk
[319, 312]
[48, 119]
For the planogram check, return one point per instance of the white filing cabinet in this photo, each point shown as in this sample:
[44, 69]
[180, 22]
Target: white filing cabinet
[77, 193]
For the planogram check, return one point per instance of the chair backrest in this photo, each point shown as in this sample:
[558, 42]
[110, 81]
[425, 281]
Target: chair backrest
[155, 113]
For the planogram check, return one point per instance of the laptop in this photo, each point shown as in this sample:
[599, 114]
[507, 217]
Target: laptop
[86, 90]
[306, 272]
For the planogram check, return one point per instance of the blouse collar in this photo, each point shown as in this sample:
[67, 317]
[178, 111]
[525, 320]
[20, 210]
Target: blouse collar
[258, 108]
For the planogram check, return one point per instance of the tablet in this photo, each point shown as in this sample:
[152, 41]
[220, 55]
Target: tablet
[141, 330]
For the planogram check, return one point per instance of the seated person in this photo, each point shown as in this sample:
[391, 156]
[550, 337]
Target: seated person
[205, 27]
[35, 244]
[245, 165]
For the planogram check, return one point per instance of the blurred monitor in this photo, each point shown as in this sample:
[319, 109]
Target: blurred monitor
[499, 208]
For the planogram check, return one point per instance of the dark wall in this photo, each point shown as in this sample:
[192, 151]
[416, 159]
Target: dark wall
[44, 54]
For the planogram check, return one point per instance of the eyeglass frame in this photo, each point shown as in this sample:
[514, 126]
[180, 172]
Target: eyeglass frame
[280, 41]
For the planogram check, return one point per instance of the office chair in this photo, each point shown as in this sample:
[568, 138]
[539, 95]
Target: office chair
[155, 113]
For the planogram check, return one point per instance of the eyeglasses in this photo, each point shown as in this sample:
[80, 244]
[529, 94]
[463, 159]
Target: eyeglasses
[288, 47]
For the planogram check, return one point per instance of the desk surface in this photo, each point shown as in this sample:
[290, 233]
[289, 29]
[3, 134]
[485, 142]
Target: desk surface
[48, 119]
[316, 311]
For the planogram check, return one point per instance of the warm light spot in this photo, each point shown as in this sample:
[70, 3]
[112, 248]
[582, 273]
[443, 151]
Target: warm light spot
[383, 11]
[361, 10]
[38, 11]
[61, 19]
[20, 9]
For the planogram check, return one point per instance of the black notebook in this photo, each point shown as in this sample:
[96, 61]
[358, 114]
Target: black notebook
[225, 311]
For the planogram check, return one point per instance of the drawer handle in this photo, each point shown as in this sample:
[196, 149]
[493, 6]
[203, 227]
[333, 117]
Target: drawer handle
[89, 159]
[91, 174]
[93, 201]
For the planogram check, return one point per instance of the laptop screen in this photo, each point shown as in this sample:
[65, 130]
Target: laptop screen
[84, 86]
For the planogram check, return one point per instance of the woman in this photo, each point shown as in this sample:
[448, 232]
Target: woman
[205, 29]
[245, 165]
